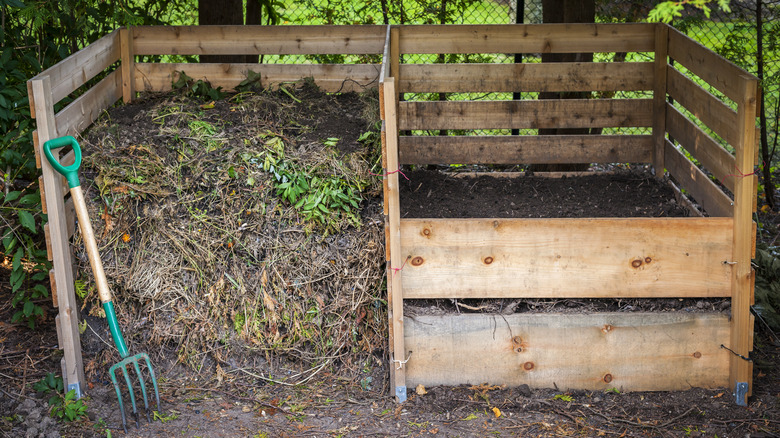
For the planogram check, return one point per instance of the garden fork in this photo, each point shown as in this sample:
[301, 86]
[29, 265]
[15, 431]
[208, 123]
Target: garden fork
[71, 174]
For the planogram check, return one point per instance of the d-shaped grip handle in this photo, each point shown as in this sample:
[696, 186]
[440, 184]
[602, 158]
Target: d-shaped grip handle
[71, 173]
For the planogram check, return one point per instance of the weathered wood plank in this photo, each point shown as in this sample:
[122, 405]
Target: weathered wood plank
[711, 155]
[79, 114]
[329, 77]
[531, 149]
[706, 64]
[744, 196]
[706, 107]
[565, 113]
[395, 294]
[660, 64]
[566, 258]
[525, 38]
[697, 184]
[258, 40]
[128, 59]
[482, 78]
[73, 371]
[630, 351]
[75, 70]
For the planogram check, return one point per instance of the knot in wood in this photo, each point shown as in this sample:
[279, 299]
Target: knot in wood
[607, 378]
[528, 366]
[417, 261]
[697, 355]
[636, 263]
[488, 260]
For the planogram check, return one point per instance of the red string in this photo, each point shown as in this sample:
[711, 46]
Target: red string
[397, 270]
[389, 173]
[740, 174]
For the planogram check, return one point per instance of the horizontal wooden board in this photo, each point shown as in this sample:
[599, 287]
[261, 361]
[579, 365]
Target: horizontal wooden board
[706, 64]
[79, 114]
[706, 107]
[527, 38]
[75, 70]
[566, 113]
[483, 78]
[527, 149]
[566, 258]
[696, 183]
[709, 153]
[329, 77]
[258, 40]
[595, 352]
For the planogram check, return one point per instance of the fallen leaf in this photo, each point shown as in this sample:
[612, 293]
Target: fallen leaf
[496, 412]
[760, 374]
[209, 105]
[719, 395]
[470, 417]
[421, 390]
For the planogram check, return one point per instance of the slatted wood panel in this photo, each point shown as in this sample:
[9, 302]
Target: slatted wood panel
[706, 107]
[568, 113]
[75, 70]
[525, 149]
[712, 156]
[483, 78]
[697, 184]
[79, 114]
[708, 65]
[566, 258]
[629, 351]
[519, 38]
[329, 77]
[258, 40]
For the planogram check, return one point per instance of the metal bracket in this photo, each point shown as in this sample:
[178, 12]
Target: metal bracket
[400, 393]
[77, 387]
[740, 392]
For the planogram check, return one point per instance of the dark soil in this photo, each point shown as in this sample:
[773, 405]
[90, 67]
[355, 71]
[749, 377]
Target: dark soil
[269, 396]
[626, 193]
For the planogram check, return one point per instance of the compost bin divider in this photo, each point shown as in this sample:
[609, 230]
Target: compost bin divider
[661, 61]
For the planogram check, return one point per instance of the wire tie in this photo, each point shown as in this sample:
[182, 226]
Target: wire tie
[397, 270]
[390, 173]
[736, 354]
[726, 262]
[401, 363]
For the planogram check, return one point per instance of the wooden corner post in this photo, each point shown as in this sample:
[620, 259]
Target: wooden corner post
[659, 97]
[128, 63]
[398, 356]
[741, 368]
[67, 320]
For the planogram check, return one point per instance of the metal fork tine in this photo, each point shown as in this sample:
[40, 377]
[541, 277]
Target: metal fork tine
[143, 387]
[154, 379]
[132, 393]
[112, 373]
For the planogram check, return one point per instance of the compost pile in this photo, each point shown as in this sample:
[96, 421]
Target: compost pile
[243, 224]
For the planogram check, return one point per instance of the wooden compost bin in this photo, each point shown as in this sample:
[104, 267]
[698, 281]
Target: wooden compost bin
[529, 258]
[689, 257]
[126, 46]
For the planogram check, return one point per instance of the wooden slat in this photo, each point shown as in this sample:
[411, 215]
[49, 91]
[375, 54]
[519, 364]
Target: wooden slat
[75, 70]
[36, 146]
[527, 38]
[329, 77]
[397, 262]
[595, 352]
[531, 149]
[258, 40]
[79, 114]
[706, 64]
[482, 78]
[712, 156]
[384, 73]
[706, 107]
[660, 64]
[744, 195]
[55, 303]
[566, 113]
[697, 184]
[560, 258]
[128, 59]
[73, 372]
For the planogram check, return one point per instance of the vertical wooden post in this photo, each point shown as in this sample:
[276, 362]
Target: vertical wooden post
[395, 303]
[659, 97]
[128, 63]
[67, 320]
[395, 52]
[741, 370]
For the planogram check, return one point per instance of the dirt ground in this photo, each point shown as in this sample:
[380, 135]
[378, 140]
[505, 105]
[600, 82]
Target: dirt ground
[276, 397]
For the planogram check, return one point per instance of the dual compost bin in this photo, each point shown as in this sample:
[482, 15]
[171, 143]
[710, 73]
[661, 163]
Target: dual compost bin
[695, 113]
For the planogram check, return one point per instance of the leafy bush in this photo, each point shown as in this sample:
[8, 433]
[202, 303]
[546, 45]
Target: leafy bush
[767, 305]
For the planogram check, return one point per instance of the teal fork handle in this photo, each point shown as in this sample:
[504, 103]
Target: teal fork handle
[71, 173]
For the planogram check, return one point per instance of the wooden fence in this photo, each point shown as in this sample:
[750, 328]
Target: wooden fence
[487, 257]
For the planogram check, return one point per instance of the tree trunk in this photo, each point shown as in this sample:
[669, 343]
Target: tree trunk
[221, 12]
[566, 11]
